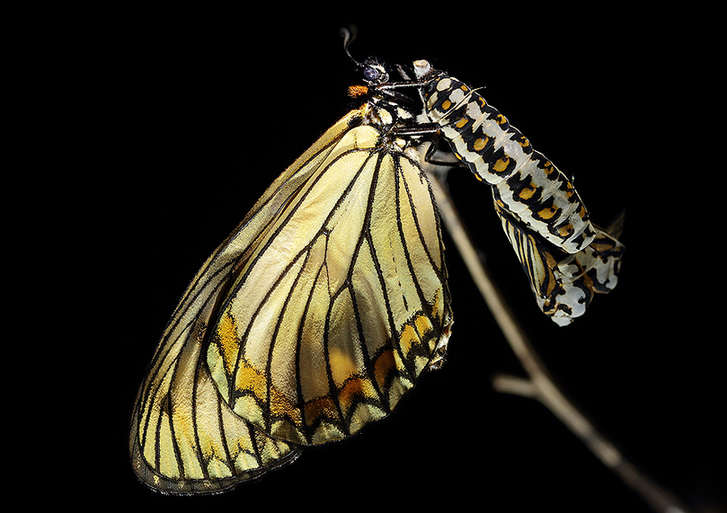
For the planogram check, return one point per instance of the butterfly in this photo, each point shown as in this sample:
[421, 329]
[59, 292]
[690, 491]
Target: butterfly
[321, 309]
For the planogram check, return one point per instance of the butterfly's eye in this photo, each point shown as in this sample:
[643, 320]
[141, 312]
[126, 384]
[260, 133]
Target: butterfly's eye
[371, 74]
[374, 73]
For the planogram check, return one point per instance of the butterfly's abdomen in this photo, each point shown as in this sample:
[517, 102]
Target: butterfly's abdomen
[525, 182]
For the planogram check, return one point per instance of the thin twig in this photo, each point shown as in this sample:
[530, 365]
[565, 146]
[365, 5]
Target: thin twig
[514, 385]
[539, 385]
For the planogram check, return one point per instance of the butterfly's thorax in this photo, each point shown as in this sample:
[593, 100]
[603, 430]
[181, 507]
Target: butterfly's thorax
[386, 118]
[524, 181]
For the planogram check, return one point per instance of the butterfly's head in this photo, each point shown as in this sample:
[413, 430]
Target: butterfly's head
[374, 73]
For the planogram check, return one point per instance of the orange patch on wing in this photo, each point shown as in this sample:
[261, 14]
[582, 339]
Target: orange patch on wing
[383, 366]
[425, 328]
[437, 308]
[281, 406]
[252, 380]
[355, 387]
[229, 343]
[408, 338]
[423, 325]
[249, 379]
[320, 407]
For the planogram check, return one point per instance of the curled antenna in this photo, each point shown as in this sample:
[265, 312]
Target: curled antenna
[349, 35]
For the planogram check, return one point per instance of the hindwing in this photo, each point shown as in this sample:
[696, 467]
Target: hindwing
[338, 311]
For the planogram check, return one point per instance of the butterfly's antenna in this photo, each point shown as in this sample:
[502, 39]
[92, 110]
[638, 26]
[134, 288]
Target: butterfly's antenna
[349, 35]
[402, 72]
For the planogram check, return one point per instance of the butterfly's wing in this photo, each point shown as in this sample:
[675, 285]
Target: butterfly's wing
[309, 321]
[184, 437]
[564, 284]
[335, 314]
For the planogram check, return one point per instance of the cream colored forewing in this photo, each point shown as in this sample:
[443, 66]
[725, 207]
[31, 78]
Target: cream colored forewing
[184, 438]
[340, 308]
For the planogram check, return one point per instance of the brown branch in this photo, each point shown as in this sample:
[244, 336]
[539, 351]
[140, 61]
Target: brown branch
[539, 385]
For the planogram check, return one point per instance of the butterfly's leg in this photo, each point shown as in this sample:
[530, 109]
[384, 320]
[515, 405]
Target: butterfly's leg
[402, 84]
[433, 154]
[439, 157]
[416, 130]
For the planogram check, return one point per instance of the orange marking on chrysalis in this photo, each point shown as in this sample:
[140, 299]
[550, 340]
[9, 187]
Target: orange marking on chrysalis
[566, 230]
[547, 213]
[501, 164]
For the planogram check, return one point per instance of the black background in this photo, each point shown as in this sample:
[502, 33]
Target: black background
[188, 116]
